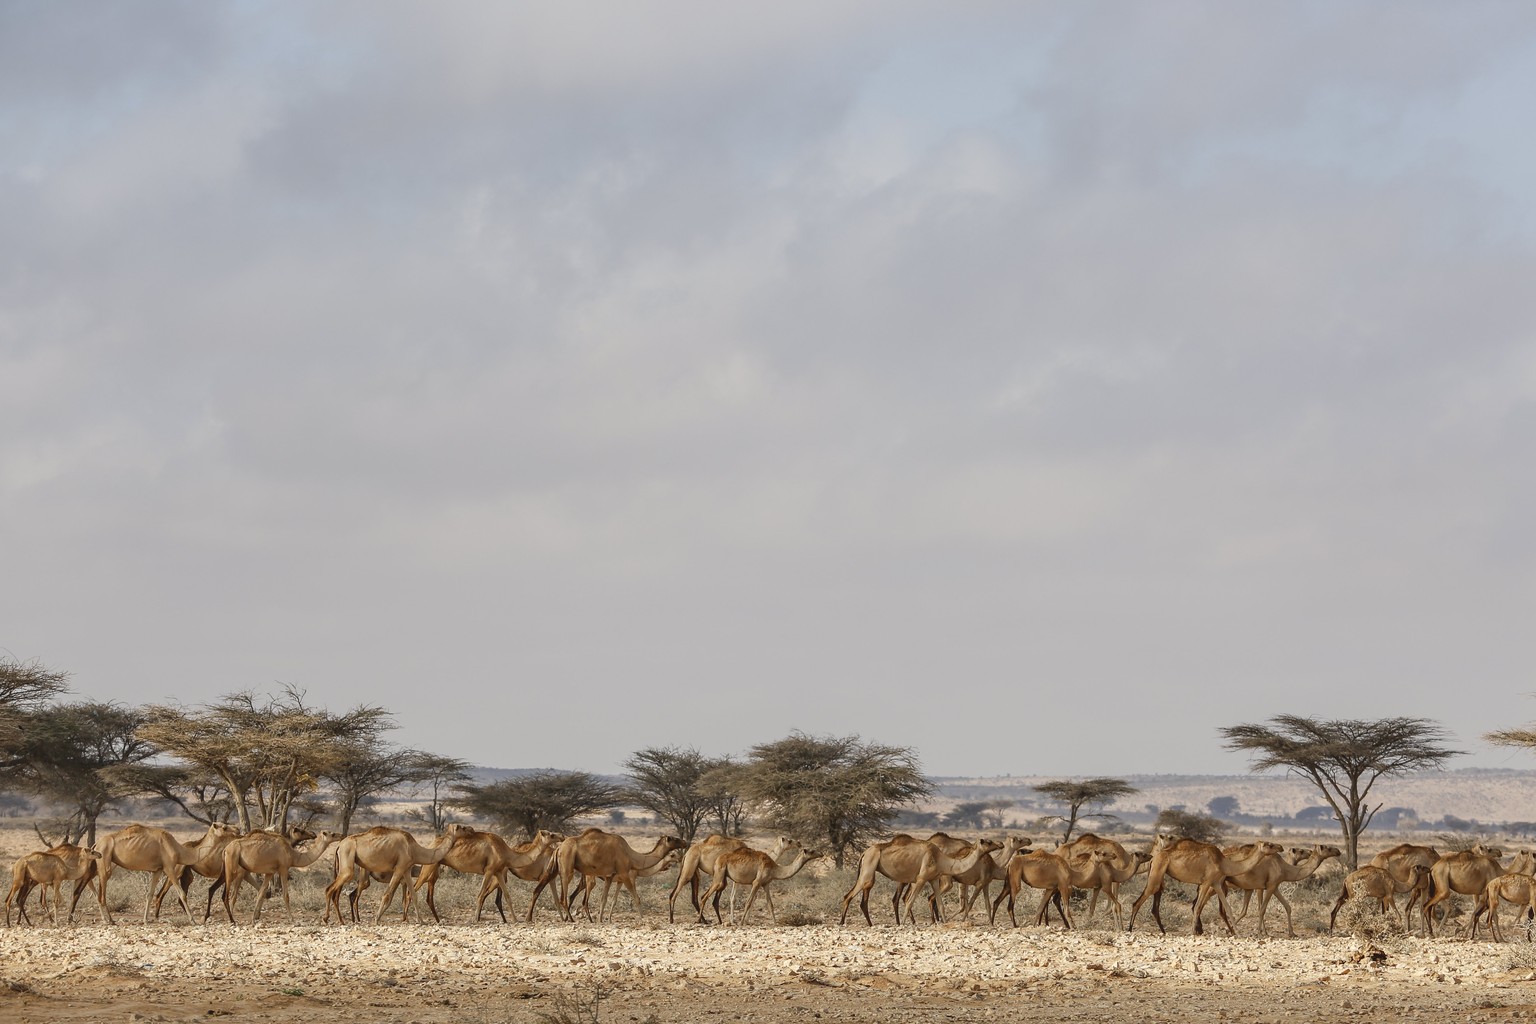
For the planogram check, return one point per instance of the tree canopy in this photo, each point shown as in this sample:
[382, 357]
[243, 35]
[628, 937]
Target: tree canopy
[1080, 793]
[1343, 758]
[832, 791]
[666, 782]
[548, 800]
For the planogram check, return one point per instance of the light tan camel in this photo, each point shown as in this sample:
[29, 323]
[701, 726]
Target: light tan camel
[209, 864]
[1517, 889]
[1468, 872]
[758, 870]
[1076, 851]
[1399, 862]
[388, 852]
[1109, 876]
[667, 863]
[490, 856]
[142, 848]
[271, 856]
[84, 867]
[1054, 875]
[909, 862]
[50, 871]
[1266, 878]
[701, 857]
[597, 854]
[1379, 884]
[1195, 863]
[977, 880]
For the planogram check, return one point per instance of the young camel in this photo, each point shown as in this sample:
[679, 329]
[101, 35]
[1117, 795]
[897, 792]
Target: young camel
[1399, 862]
[387, 852]
[1379, 884]
[909, 862]
[1124, 866]
[702, 856]
[1109, 876]
[759, 871]
[667, 863]
[597, 854]
[1055, 875]
[490, 856]
[50, 871]
[271, 856]
[1468, 872]
[1195, 863]
[209, 864]
[977, 881]
[141, 848]
[84, 867]
[1517, 889]
[1265, 879]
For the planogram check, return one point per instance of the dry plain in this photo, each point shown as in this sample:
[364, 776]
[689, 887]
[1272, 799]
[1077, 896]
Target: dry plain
[641, 968]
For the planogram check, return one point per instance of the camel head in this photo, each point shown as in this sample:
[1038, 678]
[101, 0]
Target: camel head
[673, 843]
[1325, 852]
[91, 854]
[1143, 858]
[988, 845]
[1487, 851]
[1166, 841]
[455, 830]
[1523, 864]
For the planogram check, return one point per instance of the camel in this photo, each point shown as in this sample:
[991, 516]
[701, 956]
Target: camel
[1121, 869]
[84, 868]
[271, 856]
[1468, 872]
[1052, 873]
[1517, 889]
[391, 852]
[1379, 884]
[703, 856]
[910, 862]
[1195, 863]
[50, 871]
[668, 862]
[598, 854]
[142, 848]
[490, 856]
[977, 881]
[758, 870]
[1109, 875]
[1399, 862]
[209, 864]
[1265, 879]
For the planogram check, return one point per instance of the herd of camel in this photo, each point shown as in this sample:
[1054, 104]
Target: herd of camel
[572, 865]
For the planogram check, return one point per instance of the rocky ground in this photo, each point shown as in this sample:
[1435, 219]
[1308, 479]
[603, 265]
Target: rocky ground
[654, 971]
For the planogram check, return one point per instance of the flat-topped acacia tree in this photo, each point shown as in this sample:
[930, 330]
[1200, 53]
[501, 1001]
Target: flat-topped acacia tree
[1343, 758]
[1080, 793]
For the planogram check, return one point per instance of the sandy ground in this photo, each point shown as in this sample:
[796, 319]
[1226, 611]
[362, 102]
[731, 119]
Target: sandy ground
[663, 972]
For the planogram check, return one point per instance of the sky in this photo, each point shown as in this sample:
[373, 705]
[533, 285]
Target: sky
[1042, 386]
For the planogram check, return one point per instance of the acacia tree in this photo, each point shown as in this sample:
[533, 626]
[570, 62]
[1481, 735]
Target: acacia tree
[1080, 793]
[665, 781]
[834, 791]
[263, 751]
[435, 775]
[1343, 758]
[25, 689]
[71, 750]
[549, 800]
[720, 789]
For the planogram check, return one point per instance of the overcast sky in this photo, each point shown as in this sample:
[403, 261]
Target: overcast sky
[1042, 386]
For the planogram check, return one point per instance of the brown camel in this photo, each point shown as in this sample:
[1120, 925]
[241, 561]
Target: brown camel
[271, 856]
[1053, 873]
[209, 864]
[50, 871]
[977, 880]
[909, 862]
[1109, 876]
[388, 852]
[1517, 889]
[1379, 884]
[1124, 866]
[84, 867]
[142, 848]
[667, 863]
[702, 856]
[597, 854]
[1195, 863]
[1399, 862]
[490, 856]
[758, 870]
[1468, 872]
[1265, 879]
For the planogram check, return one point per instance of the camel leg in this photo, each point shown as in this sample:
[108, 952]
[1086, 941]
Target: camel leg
[149, 895]
[717, 884]
[1154, 885]
[389, 894]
